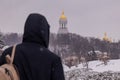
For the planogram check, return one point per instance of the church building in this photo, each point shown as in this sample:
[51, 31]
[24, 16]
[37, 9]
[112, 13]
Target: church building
[63, 24]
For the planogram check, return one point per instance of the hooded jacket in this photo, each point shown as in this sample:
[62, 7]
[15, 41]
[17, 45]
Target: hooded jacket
[32, 58]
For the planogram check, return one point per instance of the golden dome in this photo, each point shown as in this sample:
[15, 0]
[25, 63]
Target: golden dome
[105, 38]
[63, 16]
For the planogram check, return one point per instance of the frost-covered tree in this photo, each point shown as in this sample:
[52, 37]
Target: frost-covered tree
[1, 40]
[104, 57]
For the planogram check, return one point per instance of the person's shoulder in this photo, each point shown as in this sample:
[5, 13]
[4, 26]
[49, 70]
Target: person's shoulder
[53, 55]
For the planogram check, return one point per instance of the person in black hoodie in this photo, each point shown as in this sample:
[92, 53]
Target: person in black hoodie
[32, 58]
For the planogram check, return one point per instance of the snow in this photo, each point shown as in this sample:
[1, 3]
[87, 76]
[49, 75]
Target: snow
[66, 68]
[96, 71]
[98, 66]
[113, 65]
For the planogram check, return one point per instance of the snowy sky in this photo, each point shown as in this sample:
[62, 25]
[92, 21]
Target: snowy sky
[85, 17]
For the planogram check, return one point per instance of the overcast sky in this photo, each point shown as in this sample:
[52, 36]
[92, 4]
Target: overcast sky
[85, 17]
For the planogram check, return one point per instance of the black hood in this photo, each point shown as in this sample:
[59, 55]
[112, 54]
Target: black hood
[36, 30]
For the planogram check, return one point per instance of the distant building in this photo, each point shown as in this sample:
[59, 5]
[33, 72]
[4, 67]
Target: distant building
[63, 24]
[62, 37]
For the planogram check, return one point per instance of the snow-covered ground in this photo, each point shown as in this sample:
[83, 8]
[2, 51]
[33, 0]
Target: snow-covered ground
[98, 66]
[96, 71]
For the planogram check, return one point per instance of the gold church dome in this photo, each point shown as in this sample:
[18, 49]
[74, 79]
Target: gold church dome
[105, 38]
[63, 16]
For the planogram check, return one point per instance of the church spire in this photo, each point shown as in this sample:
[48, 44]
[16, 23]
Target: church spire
[63, 24]
[63, 20]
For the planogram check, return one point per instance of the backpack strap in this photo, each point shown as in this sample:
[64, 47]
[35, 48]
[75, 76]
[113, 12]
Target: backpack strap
[13, 54]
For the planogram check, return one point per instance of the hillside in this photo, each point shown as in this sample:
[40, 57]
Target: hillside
[77, 45]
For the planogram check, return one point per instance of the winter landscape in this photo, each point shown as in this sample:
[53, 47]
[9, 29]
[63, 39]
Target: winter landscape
[92, 65]
[84, 34]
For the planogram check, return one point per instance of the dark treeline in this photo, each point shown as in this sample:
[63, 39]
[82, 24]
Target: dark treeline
[11, 38]
[80, 46]
[77, 45]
